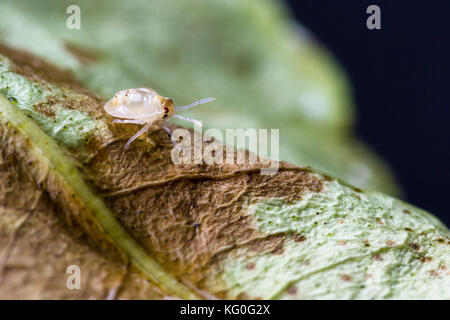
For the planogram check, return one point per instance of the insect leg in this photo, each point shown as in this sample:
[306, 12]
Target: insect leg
[169, 129]
[187, 119]
[140, 132]
[167, 126]
[128, 121]
[193, 104]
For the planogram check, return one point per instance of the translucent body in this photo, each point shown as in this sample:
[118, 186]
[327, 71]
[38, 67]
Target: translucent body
[142, 104]
[145, 106]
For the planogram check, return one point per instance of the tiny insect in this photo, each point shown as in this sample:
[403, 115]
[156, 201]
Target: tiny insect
[145, 106]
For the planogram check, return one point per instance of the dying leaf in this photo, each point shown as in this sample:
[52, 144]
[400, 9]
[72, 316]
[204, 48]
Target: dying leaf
[264, 71]
[140, 226]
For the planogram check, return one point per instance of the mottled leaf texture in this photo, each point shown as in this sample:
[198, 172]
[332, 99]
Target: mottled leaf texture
[139, 226]
[265, 70]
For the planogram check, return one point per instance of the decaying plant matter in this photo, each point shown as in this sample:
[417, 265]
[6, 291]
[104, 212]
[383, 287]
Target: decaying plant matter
[139, 226]
[265, 70]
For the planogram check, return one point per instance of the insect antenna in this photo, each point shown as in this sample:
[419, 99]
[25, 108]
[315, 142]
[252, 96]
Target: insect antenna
[194, 121]
[193, 104]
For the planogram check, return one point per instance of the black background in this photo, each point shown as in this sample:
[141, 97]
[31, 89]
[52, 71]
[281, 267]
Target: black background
[170, 309]
[401, 80]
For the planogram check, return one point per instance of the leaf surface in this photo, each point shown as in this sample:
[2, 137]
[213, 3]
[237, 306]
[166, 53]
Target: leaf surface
[140, 226]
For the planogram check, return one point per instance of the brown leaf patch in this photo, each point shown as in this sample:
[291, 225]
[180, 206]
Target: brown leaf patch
[157, 201]
[37, 246]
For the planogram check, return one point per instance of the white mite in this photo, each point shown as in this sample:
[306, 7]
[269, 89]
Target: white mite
[145, 106]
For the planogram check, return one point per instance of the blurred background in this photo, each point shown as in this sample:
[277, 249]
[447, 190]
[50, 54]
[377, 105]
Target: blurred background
[401, 83]
[367, 106]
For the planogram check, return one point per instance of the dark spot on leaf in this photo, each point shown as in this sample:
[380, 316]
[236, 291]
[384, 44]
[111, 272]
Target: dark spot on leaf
[377, 257]
[425, 259]
[406, 211]
[292, 290]
[414, 246]
[299, 237]
[346, 277]
[250, 266]
[12, 99]
[243, 296]
[46, 108]
[278, 251]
